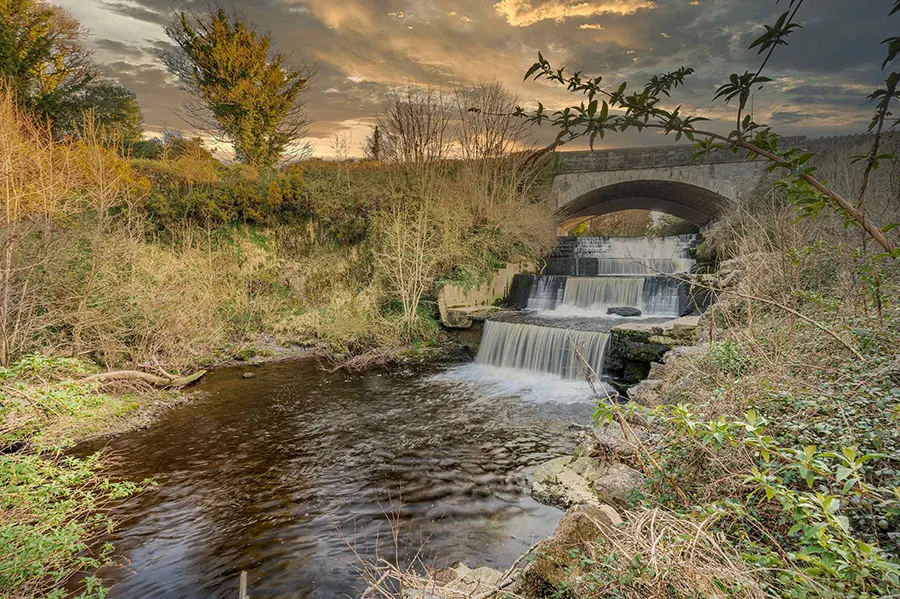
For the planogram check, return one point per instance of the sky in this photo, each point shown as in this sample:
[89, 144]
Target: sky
[361, 49]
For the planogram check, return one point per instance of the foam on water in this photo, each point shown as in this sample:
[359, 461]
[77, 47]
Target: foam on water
[536, 387]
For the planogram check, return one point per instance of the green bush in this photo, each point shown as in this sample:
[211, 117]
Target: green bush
[726, 356]
[226, 195]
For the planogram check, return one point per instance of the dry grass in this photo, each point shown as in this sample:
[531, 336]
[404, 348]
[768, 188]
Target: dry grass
[655, 554]
[660, 555]
[85, 273]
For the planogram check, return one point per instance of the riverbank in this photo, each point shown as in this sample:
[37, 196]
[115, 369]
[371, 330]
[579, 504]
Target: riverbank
[762, 462]
[275, 474]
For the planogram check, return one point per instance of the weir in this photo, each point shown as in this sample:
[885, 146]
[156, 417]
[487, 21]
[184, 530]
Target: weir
[566, 330]
[543, 349]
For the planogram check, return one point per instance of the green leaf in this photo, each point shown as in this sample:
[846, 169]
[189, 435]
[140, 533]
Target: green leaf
[849, 453]
[843, 522]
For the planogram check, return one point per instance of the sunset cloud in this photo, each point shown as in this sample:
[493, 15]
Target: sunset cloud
[522, 13]
[364, 48]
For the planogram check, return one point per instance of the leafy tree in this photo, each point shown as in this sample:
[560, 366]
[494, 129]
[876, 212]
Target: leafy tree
[110, 108]
[41, 55]
[242, 91]
[616, 109]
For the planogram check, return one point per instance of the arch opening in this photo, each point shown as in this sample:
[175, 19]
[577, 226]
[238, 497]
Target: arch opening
[689, 202]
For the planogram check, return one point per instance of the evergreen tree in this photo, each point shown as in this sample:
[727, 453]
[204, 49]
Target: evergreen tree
[242, 91]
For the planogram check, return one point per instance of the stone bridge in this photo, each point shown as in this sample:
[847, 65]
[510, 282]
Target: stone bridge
[660, 178]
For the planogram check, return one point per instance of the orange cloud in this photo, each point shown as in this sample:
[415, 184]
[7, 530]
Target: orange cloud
[522, 13]
[353, 14]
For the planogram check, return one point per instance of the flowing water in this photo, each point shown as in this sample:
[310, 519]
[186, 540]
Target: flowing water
[289, 475]
[266, 475]
[585, 276]
[562, 352]
[592, 256]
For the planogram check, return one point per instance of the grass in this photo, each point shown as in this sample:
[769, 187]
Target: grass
[187, 261]
[52, 505]
[779, 437]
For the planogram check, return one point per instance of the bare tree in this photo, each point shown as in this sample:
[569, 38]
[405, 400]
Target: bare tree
[407, 256]
[487, 127]
[415, 126]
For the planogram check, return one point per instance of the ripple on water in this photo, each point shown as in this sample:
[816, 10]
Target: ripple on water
[263, 473]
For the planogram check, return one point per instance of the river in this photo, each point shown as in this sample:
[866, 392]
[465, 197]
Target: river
[280, 474]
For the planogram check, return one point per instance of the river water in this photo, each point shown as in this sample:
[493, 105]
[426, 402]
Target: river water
[280, 474]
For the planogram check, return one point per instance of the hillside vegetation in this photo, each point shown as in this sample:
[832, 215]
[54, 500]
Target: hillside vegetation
[171, 263]
[121, 261]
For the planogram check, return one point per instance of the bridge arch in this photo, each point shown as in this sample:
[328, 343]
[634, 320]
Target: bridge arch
[690, 202]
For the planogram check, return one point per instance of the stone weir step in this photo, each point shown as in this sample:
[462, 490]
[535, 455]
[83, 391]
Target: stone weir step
[585, 247]
[575, 323]
[632, 346]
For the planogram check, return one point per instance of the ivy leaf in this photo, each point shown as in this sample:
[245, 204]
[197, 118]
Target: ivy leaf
[842, 473]
[843, 522]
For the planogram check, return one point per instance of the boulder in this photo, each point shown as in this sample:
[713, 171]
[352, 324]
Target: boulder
[455, 319]
[617, 484]
[611, 441]
[623, 311]
[455, 582]
[557, 483]
[645, 393]
[577, 534]
[584, 480]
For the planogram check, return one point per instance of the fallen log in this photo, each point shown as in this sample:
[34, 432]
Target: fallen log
[145, 377]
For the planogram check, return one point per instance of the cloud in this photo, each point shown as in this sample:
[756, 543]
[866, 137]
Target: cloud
[136, 11]
[522, 13]
[348, 14]
[119, 49]
[363, 48]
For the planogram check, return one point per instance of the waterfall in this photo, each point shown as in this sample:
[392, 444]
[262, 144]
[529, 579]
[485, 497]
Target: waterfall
[654, 296]
[546, 292]
[641, 266]
[541, 349]
[593, 256]
[564, 323]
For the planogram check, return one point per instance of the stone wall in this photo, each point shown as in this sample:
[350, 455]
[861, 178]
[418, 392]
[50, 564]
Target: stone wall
[455, 301]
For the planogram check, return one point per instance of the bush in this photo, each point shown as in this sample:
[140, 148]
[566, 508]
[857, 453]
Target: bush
[210, 194]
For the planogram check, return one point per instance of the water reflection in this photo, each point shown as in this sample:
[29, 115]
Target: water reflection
[261, 475]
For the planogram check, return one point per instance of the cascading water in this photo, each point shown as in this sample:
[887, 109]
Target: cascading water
[630, 272]
[593, 256]
[656, 296]
[564, 329]
[543, 349]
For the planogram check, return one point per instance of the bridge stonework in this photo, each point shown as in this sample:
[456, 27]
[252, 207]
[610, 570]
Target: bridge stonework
[661, 178]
